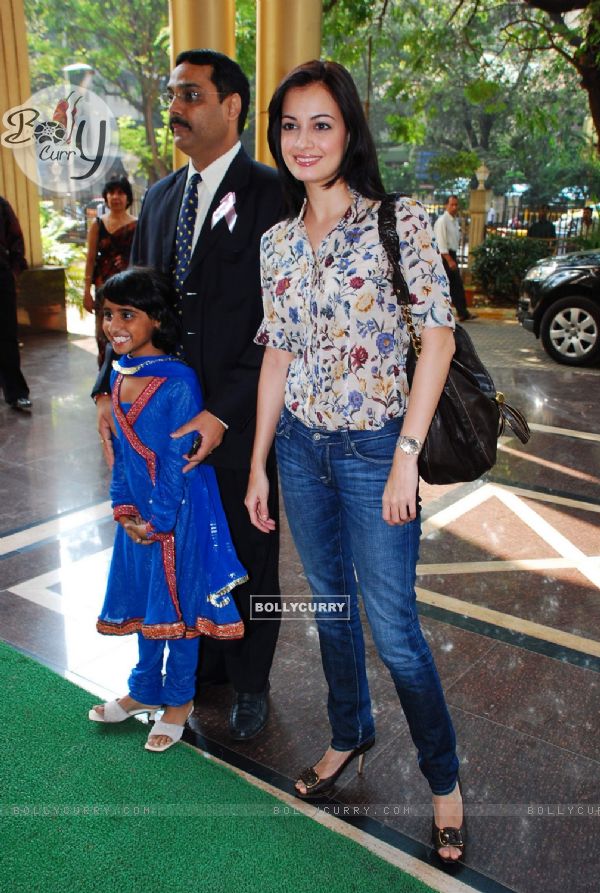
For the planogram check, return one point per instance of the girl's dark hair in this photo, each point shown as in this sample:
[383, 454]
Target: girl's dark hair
[359, 167]
[118, 184]
[150, 291]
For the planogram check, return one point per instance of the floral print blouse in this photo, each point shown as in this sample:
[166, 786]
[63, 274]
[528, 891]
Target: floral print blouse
[335, 310]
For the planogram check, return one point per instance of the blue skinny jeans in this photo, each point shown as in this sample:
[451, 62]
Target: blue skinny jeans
[332, 485]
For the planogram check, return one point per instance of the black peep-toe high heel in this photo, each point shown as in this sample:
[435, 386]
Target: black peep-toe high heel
[316, 786]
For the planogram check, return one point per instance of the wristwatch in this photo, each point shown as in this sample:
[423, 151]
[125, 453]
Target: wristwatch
[410, 445]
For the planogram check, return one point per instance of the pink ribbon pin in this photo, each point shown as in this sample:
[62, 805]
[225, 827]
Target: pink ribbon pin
[226, 209]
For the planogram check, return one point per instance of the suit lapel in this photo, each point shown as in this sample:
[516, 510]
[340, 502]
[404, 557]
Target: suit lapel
[170, 214]
[235, 180]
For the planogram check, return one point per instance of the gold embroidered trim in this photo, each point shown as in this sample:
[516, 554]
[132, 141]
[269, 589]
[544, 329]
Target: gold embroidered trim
[119, 629]
[126, 421]
[218, 631]
[143, 399]
[164, 630]
[120, 510]
[172, 630]
[167, 546]
[215, 597]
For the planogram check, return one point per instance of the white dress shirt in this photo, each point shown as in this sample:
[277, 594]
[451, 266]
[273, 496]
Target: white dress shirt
[447, 233]
[212, 177]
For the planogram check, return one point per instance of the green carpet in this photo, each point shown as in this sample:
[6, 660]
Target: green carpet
[85, 808]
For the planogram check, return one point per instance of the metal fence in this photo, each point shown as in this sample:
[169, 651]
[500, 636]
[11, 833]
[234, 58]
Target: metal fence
[568, 225]
[569, 233]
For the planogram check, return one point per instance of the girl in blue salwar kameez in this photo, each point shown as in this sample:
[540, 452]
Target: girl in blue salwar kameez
[173, 565]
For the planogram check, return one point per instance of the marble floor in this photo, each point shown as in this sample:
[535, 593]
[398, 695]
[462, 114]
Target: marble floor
[509, 596]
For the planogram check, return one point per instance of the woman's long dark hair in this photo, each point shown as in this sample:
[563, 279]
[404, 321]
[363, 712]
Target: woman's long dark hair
[152, 293]
[359, 167]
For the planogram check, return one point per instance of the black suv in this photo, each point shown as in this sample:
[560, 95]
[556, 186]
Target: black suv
[560, 303]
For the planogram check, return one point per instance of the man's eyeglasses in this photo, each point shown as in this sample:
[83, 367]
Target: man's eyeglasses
[187, 95]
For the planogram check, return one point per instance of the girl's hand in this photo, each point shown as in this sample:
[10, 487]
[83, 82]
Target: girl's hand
[135, 528]
[399, 503]
[257, 500]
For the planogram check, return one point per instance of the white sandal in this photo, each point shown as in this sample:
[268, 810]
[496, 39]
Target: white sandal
[113, 712]
[170, 730]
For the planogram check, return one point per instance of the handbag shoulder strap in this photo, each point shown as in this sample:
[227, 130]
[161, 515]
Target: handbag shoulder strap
[388, 236]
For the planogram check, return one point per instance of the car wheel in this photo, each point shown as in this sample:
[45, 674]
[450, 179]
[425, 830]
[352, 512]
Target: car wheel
[570, 331]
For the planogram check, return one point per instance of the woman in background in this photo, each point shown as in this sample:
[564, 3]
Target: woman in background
[108, 247]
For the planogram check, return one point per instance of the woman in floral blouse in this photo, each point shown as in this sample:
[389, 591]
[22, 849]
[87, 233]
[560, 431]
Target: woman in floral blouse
[333, 392]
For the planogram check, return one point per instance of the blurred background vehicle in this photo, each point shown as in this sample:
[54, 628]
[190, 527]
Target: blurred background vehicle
[559, 302]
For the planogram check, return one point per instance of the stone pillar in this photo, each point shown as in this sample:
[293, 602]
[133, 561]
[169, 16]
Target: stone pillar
[288, 32]
[15, 88]
[200, 24]
[477, 212]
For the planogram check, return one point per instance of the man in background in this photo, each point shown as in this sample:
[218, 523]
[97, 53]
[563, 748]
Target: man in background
[587, 223]
[447, 234]
[12, 262]
[542, 228]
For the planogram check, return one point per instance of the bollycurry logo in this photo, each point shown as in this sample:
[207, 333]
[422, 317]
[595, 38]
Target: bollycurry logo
[64, 139]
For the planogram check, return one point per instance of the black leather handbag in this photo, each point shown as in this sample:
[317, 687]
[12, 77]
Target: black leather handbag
[471, 415]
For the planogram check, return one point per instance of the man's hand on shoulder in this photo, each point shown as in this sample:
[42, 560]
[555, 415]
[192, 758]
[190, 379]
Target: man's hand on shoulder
[211, 431]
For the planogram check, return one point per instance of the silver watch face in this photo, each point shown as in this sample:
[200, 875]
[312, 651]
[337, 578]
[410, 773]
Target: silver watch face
[409, 445]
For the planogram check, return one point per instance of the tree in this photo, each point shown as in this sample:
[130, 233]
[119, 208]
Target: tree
[571, 29]
[446, 76]
[568, 28]
[126, 42]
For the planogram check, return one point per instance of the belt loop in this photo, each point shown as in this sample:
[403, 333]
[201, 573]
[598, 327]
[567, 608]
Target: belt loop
[346, 442]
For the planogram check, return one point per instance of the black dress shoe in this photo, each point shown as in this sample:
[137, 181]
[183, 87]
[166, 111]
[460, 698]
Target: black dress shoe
[467, 317]
[249, 715]
[23, 404]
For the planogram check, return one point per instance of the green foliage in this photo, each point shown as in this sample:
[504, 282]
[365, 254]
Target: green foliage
[584, 243]
[127, 44]
[245, 36]
[407, 129]
[453, 166]
[134, 146]
[448, 77]
[445, 76]
[500, 264]
[487, 94]
[57, 252]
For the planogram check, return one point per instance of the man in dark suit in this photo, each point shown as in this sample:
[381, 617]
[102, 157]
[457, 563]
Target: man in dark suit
[221, 309]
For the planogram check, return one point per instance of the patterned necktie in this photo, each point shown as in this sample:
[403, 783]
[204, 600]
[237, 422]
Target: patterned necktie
[185, 234]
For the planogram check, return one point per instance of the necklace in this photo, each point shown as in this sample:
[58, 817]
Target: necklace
[132, 370]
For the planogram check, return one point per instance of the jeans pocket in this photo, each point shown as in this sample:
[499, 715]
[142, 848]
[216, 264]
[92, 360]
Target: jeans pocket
[282, 425]
[377, 449]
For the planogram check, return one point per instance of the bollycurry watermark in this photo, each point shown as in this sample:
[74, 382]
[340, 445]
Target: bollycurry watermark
[299, 607]
[380, 811]
[63, 138]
